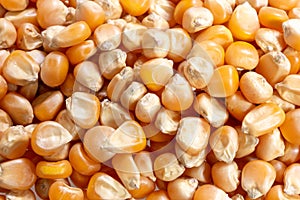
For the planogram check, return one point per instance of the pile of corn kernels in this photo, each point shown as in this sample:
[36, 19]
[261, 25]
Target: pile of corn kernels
[150, 99]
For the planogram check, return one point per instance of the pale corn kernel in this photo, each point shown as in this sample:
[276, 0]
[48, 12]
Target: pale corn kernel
[13, 142]
[107, 37]
[28, 15]
[131, 19]
[48, 137]
[84, 109]
[270, 146]
[48, 35]
[193, 134]
[196, 19]
[291, 179]
[257, 178]
[66, 121]
[62, 154]
[262, 119]
[189, 160]
[256, 4]
[88, 74]
[147, 107]
[201, 173]
[283, 104]
[94, 138]
[198, 71]
[155, 43]
[255, 87]
[29, 37]
[182, 188]
[180, 44]
[112, 62]
[112, 8]
[132, 36]
[154, 20]
[37, 55]
[156, 73]
[294, 13]
[288, 89]
[291, 33]
[8, 33]
[20, 68]
[167, 168]
[211, 109]
[5, 120]
[177, 94]
[221, 10]
[165, 9]
[121, 23]
[113, 114]
[129, 137]
[226, 175]
[269, 40]
[127, 170]
[132, 94]
[144, 163]
[247, 143]
[224, 143]
[167, 121]
[119, 83]
[21, 194]
[113, 189]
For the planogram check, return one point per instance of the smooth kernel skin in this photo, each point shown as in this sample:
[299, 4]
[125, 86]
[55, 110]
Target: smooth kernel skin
[135, 7]
[290, 128]
[61, 191]
[54, 170]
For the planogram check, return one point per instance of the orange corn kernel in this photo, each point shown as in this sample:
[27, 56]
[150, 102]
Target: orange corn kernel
[54, 170]
[135, 7]
[263, 119]
[221, 10]
[57, 136]
[290, 128]
[238, 106]
[210, 192]
[90, 12]
[220, 34]
[280, 167]
[246, 51]
[224, 82]
[79, 180]
[177, 94]
[146, 187]
[283, 4]
[61, 191]
[3, 87]
[5, 120]
[257, 178]
[54, 69]
[274, 66]
[272, 17]
[244, 22]
[182, 6]
[81, 52]
[67, 38]
[14, 5]
[47, 105]
[215, 52]
[18, 107]
[129, 137]
[158, 195]
[17, 174]
[294, 58]
[81, 162]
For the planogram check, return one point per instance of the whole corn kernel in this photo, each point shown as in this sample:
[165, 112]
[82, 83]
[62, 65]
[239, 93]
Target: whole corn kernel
[107, 37]
[291, 33]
